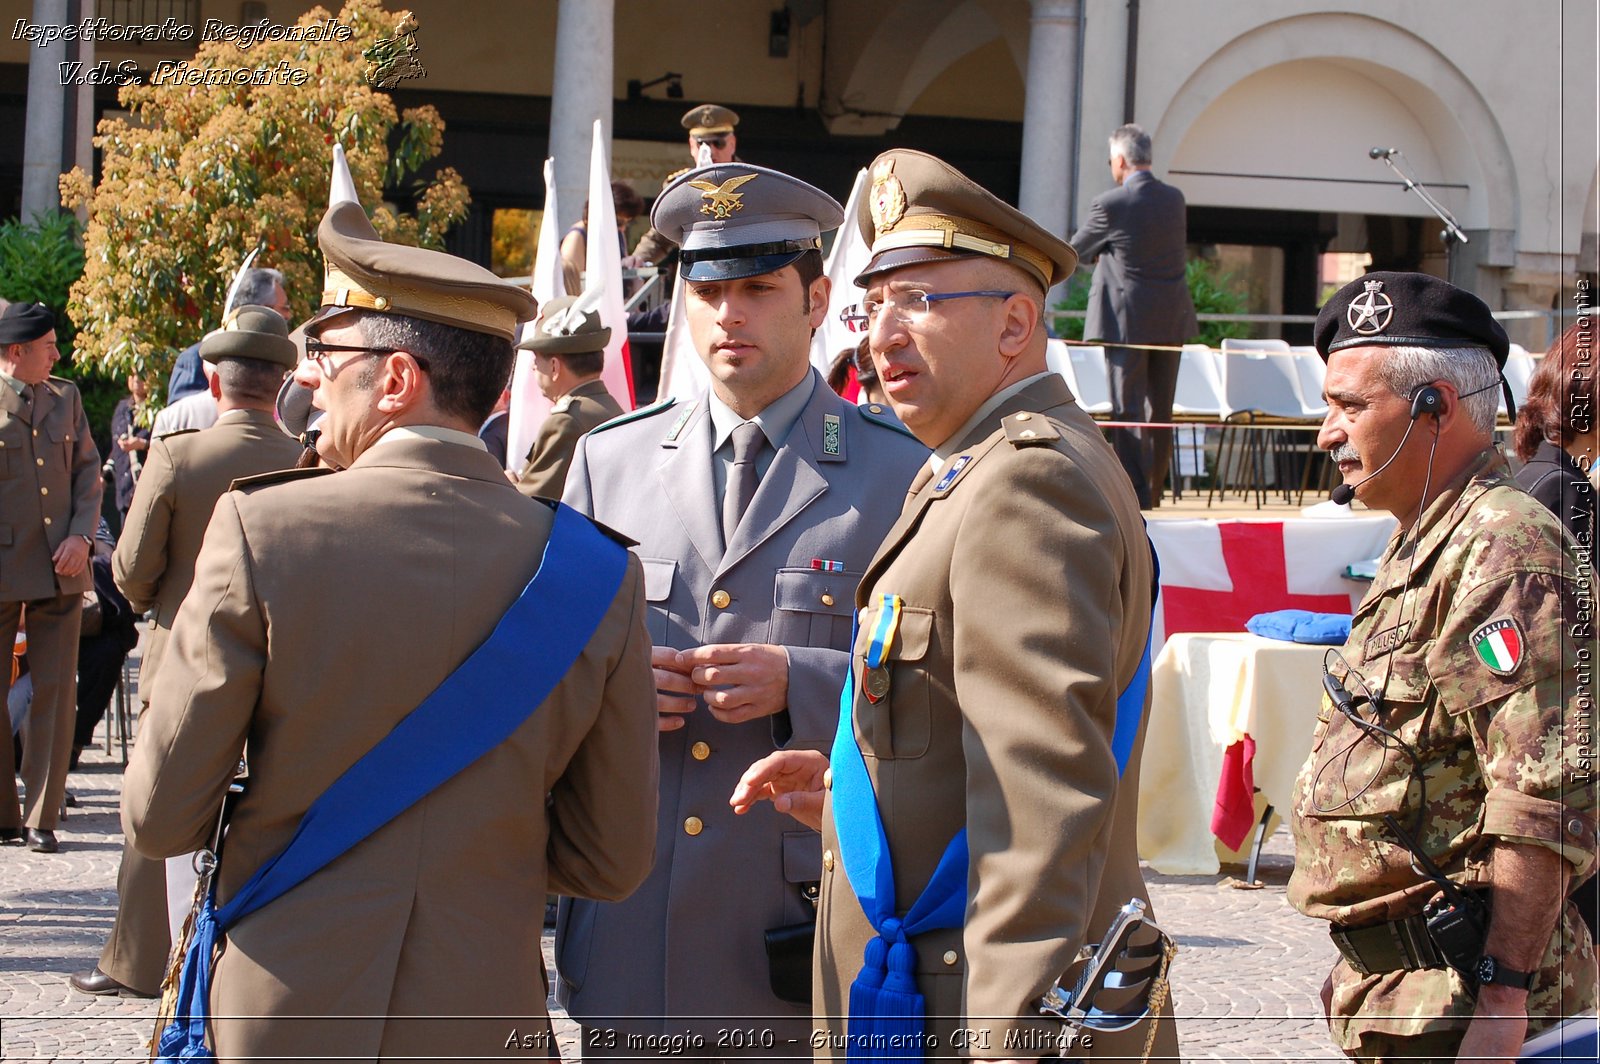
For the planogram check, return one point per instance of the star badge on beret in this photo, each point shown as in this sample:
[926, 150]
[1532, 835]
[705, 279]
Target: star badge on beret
[1371, 313]
[721, 200]
[888, 197]
[1498, 645]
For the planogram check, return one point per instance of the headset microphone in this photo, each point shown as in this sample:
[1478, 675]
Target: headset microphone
[1427, 400]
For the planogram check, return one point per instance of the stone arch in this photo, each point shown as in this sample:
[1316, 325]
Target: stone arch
[1402, 86]
[912, 43]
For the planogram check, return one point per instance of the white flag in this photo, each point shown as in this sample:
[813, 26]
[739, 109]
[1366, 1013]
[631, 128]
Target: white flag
[604, 270]
[528, 404]
[848, 258]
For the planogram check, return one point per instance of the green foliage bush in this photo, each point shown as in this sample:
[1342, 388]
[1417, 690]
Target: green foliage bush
[39, 263]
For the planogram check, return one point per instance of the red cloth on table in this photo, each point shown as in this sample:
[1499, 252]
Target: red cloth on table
[1235, 812]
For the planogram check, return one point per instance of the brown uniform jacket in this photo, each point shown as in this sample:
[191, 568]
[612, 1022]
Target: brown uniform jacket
[49, 489]
[184, 475]
[587, 406]
[1026, 577]
[323, 611]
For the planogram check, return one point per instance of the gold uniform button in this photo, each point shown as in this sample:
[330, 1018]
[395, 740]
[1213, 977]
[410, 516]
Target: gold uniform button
[700, 751]
[380, 303]
[44, 491]
[693, 826]
[827, 779]
[47, 520]
[720, 599]
[827, 600]
[38, 461]
[950, 956]
[875, 408]
[827, 860]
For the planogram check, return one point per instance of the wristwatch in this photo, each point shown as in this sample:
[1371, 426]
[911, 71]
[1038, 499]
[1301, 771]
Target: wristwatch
[1490, 970]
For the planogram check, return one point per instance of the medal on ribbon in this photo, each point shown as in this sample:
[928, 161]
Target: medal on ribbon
[876, 683]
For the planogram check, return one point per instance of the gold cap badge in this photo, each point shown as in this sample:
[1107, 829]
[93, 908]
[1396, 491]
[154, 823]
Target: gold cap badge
[888, 197]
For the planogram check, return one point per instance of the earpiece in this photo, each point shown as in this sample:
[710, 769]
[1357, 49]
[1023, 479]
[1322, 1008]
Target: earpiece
[1427, 400]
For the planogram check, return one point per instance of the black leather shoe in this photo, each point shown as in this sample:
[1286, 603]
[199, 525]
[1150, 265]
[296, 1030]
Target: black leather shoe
[42, 841]
[10, 835]
[102, 985]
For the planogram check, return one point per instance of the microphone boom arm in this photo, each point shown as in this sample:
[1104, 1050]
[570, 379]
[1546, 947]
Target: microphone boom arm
[1452, 229]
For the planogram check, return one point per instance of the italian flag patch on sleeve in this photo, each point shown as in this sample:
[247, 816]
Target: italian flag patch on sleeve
[1499, 645]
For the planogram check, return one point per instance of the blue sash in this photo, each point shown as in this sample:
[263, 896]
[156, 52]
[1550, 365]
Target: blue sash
[466, 716]
[886, 1011]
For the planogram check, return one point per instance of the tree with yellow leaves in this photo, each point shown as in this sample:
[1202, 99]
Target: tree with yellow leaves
[204, 170]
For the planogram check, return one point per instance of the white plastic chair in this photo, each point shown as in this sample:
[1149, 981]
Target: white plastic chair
[1518, 372]
[1198, 397]
[1089, 372]
[1058, 359]
[1260, 384]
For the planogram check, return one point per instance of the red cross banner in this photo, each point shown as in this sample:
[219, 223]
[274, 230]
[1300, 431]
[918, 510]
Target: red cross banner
[1216, 575]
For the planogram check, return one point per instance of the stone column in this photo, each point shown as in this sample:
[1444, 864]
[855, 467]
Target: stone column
[1047, 122]
[45, 126]
[582, 93]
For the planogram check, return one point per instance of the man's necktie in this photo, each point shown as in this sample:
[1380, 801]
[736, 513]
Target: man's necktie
[742, 477]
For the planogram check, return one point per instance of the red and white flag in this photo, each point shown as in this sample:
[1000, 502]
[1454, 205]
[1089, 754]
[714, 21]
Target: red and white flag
[848, 257]
[528, 404]
[1216, 575]
[604, 270]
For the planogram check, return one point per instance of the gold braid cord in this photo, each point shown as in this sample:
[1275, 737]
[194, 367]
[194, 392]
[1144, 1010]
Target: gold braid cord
[180, 949]
[1158, 994]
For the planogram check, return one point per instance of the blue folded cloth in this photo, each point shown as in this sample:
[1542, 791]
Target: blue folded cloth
[1301, 626]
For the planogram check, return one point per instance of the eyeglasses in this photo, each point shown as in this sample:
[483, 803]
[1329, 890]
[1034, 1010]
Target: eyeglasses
[909, 306]
[318, 352]
[716, 142]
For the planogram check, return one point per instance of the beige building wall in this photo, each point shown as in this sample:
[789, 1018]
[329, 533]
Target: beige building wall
[1286, 99]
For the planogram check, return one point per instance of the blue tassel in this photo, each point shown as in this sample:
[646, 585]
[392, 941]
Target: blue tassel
[185, 1037]
[886, 1012]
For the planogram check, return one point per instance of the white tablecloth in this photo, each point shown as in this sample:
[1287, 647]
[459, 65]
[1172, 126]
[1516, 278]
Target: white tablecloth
[1208, 690]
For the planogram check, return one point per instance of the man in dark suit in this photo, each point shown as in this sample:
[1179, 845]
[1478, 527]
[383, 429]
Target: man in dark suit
[1140, 295]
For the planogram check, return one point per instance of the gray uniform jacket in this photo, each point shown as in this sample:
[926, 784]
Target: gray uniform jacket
[687, 947]
[1139, 293]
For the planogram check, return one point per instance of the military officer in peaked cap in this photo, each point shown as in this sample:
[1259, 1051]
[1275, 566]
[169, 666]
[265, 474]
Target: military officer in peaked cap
[711, 128]
[756, 506]
[998, 703]
[324, 609]
[1451, 770]
[49, 508]
[568, 345]
[183, 477]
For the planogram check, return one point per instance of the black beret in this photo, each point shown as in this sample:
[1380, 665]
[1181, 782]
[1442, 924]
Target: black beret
[1408, 310]
[22, 322]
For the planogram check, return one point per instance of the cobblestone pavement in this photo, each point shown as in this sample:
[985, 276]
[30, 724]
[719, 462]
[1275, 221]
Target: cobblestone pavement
[1245, 979]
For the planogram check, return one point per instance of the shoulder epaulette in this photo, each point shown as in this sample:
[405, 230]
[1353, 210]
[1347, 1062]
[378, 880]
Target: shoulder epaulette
[176, 432]
[1027, 430]
[635, 415]
[879, 414]
[278, 476]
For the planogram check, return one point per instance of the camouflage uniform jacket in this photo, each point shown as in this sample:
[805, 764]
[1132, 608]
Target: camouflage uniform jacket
[1480, 666]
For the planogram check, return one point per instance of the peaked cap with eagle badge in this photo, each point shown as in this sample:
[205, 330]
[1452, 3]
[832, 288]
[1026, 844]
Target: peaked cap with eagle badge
[734, 220]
